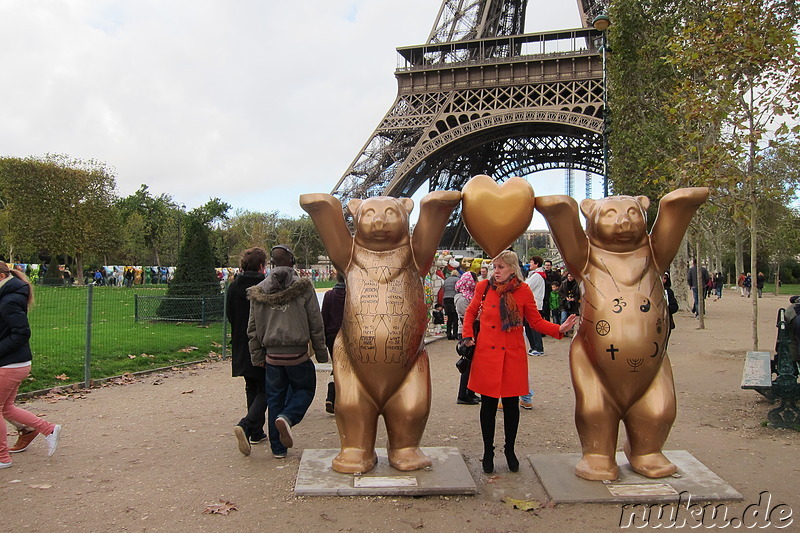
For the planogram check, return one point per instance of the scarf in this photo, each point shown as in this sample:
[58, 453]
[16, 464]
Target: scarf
[510, 316]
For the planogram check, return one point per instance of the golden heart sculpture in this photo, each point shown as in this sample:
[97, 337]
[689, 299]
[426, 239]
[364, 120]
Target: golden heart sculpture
[496, 215]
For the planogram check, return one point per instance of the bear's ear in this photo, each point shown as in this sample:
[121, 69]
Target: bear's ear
[587, 207]
[644, 201]
[353, 205]
[408, 204]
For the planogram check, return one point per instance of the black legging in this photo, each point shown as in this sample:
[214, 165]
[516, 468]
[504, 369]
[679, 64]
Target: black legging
[510, 421]
[452, 318]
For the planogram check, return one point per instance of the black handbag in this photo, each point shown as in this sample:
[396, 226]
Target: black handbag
[466, 352]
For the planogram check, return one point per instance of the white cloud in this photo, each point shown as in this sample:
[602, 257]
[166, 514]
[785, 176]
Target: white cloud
[251, 101]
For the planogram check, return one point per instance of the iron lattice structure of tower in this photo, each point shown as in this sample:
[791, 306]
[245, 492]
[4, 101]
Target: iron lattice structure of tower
[483, 97]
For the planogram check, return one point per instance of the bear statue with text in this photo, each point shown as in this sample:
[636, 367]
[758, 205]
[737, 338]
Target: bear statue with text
[380, 364]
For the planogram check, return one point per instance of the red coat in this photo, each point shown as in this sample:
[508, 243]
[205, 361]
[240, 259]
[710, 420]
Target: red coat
[500, 365]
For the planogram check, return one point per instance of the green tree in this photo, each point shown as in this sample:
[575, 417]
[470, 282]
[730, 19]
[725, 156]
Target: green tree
[740, 87]
[149, 216]
[61, 205]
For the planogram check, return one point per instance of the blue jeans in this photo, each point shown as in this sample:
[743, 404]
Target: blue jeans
[293, 404]
[526, 398]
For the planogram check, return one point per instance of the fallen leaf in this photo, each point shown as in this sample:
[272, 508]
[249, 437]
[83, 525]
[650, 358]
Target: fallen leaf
[224, 507]
[523, 505]
[188, 391]
[131, 356]
[215, 344]
[63, 377]
[188, 349]
[43, 487]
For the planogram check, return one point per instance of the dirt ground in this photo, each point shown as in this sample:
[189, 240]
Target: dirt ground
[153, 454]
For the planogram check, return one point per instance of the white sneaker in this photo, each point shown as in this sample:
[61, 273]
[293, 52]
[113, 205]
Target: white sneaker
[5, 465]
[52, 440]
[285, 430]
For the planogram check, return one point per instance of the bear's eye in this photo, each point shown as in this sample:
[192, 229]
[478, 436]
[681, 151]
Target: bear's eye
[610, 212]
[390, 212]
[633, 211]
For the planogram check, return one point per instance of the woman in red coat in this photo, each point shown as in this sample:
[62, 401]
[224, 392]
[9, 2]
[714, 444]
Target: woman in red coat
[500, 363]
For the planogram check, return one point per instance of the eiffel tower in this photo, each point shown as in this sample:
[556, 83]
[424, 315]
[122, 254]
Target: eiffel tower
[483, 97]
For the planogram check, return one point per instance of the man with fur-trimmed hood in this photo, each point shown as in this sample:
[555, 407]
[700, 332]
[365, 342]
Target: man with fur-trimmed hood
[284, 316]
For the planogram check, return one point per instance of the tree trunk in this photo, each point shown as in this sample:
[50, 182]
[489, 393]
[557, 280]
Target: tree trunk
[739, 244]
[701, 289]
[753, 271]
[778, 279]
[678, 273]
[78, 273]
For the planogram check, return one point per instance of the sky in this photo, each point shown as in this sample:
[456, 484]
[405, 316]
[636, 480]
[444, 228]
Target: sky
[253, 102]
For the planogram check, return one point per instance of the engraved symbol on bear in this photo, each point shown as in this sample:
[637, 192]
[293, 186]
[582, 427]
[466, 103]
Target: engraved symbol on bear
[618, 304]
[602, 327]
[612, 351]
[635, 363]
[645, 307]
[655, 352]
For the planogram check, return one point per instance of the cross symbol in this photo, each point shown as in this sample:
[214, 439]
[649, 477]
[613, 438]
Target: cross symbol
[612, 351]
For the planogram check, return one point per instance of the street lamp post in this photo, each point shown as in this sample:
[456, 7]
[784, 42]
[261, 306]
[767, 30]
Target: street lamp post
[601, 24]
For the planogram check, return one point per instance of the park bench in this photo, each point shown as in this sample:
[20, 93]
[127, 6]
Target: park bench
[776, 378]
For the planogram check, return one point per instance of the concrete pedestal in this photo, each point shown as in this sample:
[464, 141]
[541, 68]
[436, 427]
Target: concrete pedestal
[557, 474]
[447, 475]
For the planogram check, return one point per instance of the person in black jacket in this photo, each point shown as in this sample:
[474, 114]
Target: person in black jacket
[332, 314]
[250, 429]
[16, 296]
[672, 302]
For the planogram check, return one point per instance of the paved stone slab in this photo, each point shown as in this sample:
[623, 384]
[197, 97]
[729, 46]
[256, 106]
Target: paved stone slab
[557, 474]
[447, 475]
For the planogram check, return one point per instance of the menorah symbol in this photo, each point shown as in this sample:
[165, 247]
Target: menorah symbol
[635, 363]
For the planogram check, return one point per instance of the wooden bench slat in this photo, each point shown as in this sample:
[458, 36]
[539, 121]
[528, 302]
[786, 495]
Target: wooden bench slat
[757, 370]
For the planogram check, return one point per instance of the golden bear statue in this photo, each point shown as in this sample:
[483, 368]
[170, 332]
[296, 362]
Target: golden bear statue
[618, 362]
[380, 364]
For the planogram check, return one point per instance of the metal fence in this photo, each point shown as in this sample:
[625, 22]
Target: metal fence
[91, 332]
[179, 309]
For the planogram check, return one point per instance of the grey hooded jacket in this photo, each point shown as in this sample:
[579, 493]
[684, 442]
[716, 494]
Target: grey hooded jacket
[284, 316]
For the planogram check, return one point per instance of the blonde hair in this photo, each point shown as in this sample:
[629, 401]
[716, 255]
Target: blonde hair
[5, 269]
[511, 260]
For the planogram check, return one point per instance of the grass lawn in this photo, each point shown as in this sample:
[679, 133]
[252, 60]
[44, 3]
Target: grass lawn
[119, 344]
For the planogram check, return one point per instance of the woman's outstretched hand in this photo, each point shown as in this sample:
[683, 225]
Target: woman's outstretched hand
[467, 341]
[568, 324]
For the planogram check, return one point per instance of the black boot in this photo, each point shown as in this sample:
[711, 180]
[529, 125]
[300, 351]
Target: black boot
[488, 460]
[511, 459]
[331, 398]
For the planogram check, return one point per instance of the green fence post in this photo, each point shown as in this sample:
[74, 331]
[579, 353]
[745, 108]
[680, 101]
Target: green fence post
[87, 378]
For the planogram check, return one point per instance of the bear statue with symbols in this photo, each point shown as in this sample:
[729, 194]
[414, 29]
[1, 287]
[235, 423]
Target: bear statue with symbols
[618, 362]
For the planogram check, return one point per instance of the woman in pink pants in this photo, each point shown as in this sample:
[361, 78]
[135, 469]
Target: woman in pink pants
[16, 295]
